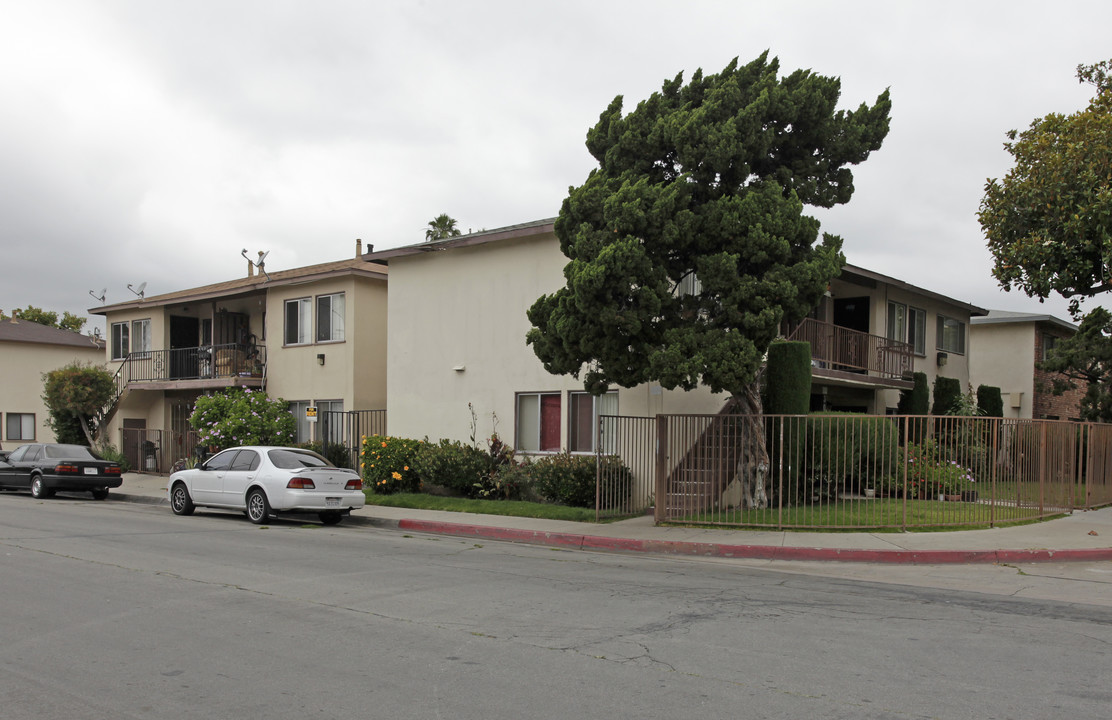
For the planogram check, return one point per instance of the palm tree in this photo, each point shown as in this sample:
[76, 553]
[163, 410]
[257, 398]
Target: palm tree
[441, 227]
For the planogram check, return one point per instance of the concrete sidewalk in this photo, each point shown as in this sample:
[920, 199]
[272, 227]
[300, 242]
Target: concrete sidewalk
[1085, 535]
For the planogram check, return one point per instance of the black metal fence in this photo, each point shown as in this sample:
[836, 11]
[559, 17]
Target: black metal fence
[347, 429]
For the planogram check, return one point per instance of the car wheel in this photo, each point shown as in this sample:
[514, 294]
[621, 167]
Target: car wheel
[100, 494]
[39, 490]
[180, 502]
[331, 517]
[258, 509]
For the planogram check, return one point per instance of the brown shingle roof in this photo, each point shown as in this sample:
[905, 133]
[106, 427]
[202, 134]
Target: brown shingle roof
[12, 330]
[256, 283]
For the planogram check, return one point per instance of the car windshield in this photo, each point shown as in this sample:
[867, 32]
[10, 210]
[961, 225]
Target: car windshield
[290, 459]
[69, 452]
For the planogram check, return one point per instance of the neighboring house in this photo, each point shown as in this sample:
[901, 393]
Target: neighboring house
[1006, 347]
[457, 344]
[315, 336]
[27, 350]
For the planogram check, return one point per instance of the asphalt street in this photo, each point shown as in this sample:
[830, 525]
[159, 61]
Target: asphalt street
[123, 610]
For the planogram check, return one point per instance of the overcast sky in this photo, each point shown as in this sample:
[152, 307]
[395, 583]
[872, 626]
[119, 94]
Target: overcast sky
[151, 141]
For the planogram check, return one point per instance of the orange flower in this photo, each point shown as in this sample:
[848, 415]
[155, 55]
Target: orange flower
[397, 475]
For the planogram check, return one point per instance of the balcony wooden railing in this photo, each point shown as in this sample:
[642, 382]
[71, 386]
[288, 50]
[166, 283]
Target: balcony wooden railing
[838, 348]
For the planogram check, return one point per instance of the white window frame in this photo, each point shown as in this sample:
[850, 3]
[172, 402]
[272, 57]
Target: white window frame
[26, 430]
[529, 419]
[331, 321]
[119, 338]
[141, 335]
[907, 323]
[303, 315]
[605, 404]
[303, 430]
[946, 339]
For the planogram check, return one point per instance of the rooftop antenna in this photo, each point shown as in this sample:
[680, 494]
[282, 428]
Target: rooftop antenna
[103, 294]
[260, 263]
[139, 290]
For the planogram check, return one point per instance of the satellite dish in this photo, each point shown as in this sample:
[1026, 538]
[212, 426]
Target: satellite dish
[262, 257]
[139, 290]
[142, 288]
[101, 296]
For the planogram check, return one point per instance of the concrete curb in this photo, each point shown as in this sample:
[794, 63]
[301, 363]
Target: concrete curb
[580, 541]
[754, 552]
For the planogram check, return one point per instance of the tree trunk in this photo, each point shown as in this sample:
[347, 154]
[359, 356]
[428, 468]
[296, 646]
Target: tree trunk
[85, 428]
[752, 462]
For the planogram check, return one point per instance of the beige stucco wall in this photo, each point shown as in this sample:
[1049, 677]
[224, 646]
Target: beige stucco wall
[1004, 357]
[21, 385]
[354, 369]
[465, 308]
[957, 365]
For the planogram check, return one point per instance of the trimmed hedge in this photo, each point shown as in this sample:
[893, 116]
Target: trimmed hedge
[788, 374]
[916, 401]
[990, 401]
[947, 392]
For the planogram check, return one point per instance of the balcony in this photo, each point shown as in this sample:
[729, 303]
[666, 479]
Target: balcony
[207, 367]
[855, 357]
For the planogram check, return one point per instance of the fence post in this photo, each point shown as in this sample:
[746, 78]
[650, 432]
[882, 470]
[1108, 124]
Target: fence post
[661, 479]
[907, 444]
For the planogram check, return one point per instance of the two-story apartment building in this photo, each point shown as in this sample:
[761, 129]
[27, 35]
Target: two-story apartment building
[457, 344]
[872, 331]
[314, 336]
[27, 350]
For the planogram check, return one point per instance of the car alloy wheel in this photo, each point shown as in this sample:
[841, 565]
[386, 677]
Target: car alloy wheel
[180, 502]
[258, 509]
[100, 494]
[38, 489]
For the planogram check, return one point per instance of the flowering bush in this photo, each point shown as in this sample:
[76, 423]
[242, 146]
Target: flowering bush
[386, 464]
[242, 417]
[928, 474]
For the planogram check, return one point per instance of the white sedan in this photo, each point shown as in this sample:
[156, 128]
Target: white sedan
[262, 480]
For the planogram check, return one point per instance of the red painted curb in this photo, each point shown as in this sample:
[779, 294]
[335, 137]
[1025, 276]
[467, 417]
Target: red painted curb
[755, 552]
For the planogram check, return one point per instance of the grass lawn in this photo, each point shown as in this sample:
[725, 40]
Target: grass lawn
[515, 508]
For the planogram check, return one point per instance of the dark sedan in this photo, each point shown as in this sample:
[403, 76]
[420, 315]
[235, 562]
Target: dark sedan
[46, 468]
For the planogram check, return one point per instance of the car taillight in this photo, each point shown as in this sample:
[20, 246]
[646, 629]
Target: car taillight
[299, 483]
[60, 469]
[354, 485]
[112, 471]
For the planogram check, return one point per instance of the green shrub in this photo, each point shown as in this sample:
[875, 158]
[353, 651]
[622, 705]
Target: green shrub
[917, 400]
[788, 377]
[571, 480]
[990, 401]
[462, 469]
[947, 394]
[850, 451]
[108, 451]
[387, 464]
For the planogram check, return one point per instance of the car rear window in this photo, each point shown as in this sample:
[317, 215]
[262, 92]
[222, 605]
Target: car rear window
[292, 459]
[68, 452]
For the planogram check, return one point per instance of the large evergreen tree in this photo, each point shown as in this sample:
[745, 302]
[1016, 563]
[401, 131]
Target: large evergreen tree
[688, 245]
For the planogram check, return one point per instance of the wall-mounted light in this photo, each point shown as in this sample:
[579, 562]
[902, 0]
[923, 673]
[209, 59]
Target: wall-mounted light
[942, 357]
[320, 359]
[460, 368]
